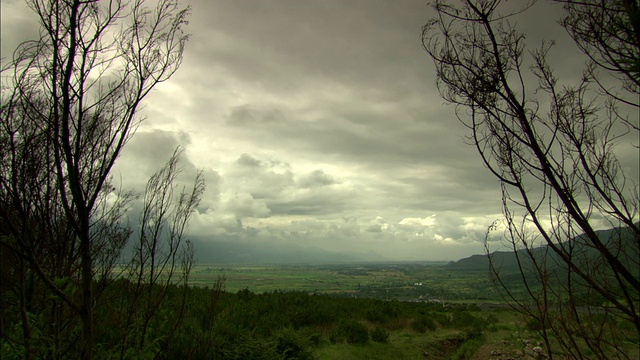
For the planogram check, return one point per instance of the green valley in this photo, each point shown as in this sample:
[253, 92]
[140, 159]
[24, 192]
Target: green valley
[405, 281]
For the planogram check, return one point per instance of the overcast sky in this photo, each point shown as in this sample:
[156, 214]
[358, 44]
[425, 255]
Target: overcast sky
[317, 123]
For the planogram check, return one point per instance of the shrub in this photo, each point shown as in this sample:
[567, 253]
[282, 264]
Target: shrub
[335, 337]
[467, 349]
[534, 324]
[422, 324]
[293, 345]
[376, 316]
[391, 309]
[247, 348]
[351, 331]
[310, 316]
[465, 320]
[380, 335]
[443, 319]
[379, 312]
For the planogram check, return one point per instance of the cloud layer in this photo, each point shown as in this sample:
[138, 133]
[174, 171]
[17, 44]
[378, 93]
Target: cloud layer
[317, 124]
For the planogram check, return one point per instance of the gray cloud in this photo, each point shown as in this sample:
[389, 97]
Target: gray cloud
[316, 178]
[18, 25]
[318, 124]
[147, 152]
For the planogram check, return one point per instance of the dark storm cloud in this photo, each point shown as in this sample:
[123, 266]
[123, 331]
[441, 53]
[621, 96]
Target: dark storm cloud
[318, 123]
[148, 151]
[286, 45]
[341, 93]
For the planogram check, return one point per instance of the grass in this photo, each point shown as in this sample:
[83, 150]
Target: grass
[405, 342]
[408, 339]
[403, 281]
[402, 344]
[506, 336]
[290, 278]
[369, 351]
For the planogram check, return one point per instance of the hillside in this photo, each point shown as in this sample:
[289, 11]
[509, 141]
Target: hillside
[620, 240]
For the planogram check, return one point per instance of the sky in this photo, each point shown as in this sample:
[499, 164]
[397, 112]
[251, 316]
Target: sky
[317, 124]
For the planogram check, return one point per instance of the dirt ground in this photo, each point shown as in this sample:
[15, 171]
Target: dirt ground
[506, 351]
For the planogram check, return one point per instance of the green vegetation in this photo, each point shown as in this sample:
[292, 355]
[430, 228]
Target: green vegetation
[332, 318]
[410, 281]
[302, 326]
[332, 321]
[368, 310]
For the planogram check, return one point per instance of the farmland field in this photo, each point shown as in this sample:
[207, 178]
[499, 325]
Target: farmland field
[428, 281]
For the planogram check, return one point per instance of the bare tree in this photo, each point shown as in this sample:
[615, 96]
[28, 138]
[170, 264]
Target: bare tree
[68, 108]
[558, 166]
[162, 259]
[608, 32]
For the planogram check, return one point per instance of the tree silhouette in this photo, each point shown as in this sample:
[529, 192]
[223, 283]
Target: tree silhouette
[69, 106]
[558, 166]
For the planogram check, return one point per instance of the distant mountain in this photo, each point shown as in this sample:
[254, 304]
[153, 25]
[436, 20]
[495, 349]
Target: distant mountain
[504, 259]
[507, 260]
[259, 253]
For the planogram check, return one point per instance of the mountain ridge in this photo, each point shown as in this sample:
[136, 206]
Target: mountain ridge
[507, 260]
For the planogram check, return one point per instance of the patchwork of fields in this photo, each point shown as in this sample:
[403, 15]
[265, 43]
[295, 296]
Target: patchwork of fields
[411, 281]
